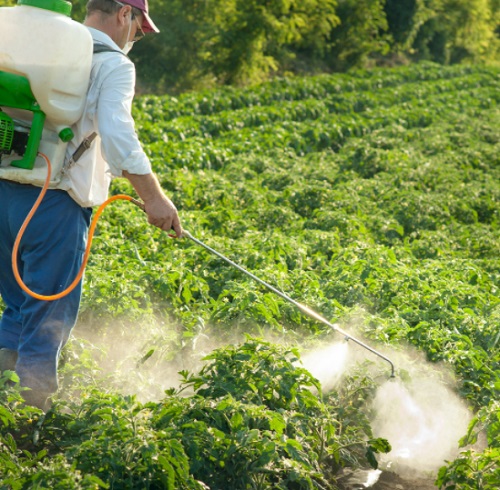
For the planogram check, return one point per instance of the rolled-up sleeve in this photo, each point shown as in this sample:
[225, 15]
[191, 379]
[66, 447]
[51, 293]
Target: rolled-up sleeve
[120, 145]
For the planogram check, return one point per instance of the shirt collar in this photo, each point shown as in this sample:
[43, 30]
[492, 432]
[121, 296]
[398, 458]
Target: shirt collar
[102, 37]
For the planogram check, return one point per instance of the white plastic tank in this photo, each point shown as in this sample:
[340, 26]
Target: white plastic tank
[41, 42]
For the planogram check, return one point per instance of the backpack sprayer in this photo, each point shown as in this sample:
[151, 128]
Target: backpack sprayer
[43, 85]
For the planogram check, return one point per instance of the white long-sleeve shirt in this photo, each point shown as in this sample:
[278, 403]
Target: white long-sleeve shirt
[108, 113]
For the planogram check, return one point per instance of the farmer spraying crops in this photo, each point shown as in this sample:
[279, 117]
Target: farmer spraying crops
[50, 254]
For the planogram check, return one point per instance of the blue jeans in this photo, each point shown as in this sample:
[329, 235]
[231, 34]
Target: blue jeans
[50, 255]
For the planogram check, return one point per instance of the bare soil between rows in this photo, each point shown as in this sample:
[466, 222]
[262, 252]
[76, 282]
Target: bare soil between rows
[386, 481]
[391, 481]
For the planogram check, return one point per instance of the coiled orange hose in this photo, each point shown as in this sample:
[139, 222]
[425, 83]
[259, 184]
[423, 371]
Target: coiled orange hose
[93, 225]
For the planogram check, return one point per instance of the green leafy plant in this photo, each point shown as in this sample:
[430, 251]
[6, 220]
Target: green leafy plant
[473, 469]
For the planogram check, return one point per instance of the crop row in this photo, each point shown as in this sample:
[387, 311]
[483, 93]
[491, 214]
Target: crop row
[279, 130]
[320, 87]
[185, 127]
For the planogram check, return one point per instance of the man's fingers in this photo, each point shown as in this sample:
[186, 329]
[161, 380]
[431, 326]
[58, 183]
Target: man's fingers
[169, 225]
[176, 226]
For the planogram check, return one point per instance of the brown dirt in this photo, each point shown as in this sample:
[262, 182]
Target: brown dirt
[356, 480]
[391, 481]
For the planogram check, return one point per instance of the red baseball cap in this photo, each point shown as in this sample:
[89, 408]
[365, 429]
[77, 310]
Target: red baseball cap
[147, 24]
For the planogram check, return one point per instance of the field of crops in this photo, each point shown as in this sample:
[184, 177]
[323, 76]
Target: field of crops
[372, 197]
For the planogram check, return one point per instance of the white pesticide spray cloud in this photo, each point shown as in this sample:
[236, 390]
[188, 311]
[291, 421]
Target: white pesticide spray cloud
[328, 363]
[422, 417]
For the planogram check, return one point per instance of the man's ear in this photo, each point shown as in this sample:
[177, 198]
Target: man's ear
[124, 13]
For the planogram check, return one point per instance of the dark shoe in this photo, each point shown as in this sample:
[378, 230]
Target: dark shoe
[38, 399]
[8, 359]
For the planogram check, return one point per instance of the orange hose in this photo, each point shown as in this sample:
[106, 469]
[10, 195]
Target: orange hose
[87, 250]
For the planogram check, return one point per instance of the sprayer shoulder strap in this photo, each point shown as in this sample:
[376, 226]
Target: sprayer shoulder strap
[103, 48]
[87, 142]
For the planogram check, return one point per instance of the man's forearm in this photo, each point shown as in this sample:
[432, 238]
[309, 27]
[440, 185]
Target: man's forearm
[147, 186]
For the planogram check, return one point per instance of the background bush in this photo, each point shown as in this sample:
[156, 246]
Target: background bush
[240, 42]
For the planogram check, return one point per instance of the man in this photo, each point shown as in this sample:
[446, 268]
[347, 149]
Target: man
[33, 332]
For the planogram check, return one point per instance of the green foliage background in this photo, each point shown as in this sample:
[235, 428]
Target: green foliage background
[208, 43]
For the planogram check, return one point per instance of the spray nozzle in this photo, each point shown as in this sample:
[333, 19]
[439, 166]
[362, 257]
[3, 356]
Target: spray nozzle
[348, 337]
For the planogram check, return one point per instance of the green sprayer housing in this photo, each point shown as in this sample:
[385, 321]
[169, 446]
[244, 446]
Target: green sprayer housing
[15, 92]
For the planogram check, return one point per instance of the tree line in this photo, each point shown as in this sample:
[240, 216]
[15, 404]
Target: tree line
[206, 43]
